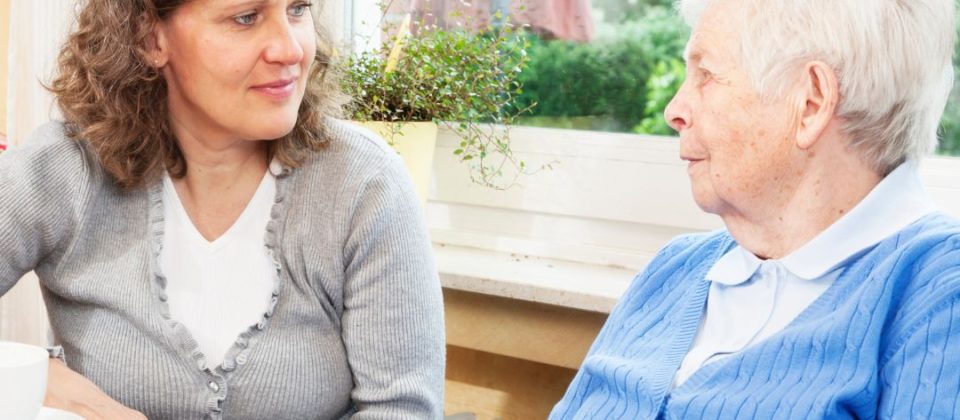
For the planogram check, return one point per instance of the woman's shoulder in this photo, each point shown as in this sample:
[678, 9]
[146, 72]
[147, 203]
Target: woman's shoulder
[694, 249]
[927, 249]
[352, 143]
[47, 181]
[50, 153]
[354, 160]
[682, 261]
[921, 265]
[51, 139]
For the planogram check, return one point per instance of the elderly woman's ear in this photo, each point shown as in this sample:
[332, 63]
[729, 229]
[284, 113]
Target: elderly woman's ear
[818, 94]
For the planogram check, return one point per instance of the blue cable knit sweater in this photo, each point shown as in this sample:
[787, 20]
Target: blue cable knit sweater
[882, 342]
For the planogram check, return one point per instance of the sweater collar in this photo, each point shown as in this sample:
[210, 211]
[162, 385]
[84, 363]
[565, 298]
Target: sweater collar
[895, 203]
[277, 169]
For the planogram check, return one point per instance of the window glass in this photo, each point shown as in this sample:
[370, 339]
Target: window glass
[950, 124]
[604, 65]
[619, 79]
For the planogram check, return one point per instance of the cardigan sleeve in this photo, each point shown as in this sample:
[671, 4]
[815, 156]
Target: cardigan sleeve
[922, 378]
[41, 185]
[392, 317]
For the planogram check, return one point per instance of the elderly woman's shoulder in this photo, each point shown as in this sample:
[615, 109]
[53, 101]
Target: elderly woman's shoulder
[924, 273]
[716, 242]
[936, 233]
[692, 250]
[930, 251]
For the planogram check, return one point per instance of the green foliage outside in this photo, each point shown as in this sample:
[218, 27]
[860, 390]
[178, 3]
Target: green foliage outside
[664, 82]
[950, 124]
[607, 78]
[623, 80]
[620, 11]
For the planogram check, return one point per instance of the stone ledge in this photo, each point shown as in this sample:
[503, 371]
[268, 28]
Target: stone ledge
[535, 279]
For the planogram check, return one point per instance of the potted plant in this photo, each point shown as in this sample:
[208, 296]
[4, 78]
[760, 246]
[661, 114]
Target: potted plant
[464, 81]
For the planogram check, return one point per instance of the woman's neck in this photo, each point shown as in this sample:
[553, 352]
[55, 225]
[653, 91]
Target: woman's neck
[826, 191]
[221, 178]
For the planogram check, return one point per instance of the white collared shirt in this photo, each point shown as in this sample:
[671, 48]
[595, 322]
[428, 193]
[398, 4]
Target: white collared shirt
[751, 299]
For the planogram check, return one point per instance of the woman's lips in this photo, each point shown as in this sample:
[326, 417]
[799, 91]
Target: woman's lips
[691, 162]
[280, 89]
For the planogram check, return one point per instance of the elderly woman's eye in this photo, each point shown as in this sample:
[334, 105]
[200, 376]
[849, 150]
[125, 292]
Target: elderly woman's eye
[704, 76]
[299, 9]
[246, 19]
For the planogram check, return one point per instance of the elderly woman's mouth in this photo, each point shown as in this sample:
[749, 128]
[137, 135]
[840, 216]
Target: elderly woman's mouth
[691, 161]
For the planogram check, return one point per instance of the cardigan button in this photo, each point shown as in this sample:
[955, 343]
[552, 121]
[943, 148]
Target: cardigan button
[215, 387]
[242, 358]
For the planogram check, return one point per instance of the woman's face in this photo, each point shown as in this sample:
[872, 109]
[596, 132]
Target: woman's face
[236, 69]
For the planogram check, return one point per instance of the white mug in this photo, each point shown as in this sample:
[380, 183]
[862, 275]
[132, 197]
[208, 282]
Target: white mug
[23, 380]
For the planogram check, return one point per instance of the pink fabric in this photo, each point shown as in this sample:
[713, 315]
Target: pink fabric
[562, 19]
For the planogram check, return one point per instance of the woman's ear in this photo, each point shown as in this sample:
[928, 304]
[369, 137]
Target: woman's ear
[156, 46]
[819, 94]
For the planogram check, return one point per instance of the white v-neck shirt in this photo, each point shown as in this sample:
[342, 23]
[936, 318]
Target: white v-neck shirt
[218, 289]
[751, 299]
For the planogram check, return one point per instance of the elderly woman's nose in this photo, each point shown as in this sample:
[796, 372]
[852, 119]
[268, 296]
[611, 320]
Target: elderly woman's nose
[283, 46]
[677, 112]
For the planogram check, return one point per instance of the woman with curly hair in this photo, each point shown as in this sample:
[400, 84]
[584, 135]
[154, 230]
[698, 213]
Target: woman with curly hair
[211, 242]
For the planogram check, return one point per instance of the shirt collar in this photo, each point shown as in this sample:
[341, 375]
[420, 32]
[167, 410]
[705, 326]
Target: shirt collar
[895, 203]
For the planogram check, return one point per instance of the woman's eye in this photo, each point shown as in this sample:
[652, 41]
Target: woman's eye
[247, 19]
[299, 9]
[704, 76]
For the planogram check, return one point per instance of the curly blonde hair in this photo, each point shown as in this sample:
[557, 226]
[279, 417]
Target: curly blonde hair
[114, 99]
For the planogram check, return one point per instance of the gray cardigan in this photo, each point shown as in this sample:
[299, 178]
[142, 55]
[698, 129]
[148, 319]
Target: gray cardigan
[355, 326]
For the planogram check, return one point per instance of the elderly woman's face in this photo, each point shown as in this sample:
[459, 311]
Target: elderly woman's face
[237, 69]
[738, 146]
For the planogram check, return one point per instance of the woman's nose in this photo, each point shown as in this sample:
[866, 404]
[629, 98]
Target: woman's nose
[283, 47]
[677, 112]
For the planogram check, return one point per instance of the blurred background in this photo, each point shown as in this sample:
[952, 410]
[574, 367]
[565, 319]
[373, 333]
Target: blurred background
[602, 65]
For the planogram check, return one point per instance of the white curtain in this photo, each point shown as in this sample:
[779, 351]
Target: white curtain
[37, 28]
[333, 15]
[363, 31]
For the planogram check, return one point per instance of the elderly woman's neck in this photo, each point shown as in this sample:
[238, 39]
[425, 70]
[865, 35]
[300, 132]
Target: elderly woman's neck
[825, 192]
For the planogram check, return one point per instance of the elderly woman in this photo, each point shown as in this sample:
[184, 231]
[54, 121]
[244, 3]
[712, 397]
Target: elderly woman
[834, 291]
[210, 242]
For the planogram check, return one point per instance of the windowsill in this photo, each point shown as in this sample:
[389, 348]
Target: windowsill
[555, 282]
[572, 237]
[575, 236]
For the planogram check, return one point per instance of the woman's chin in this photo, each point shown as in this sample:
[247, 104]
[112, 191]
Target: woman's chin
[273, 131]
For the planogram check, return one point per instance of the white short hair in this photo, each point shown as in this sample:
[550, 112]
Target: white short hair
[892, 58]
